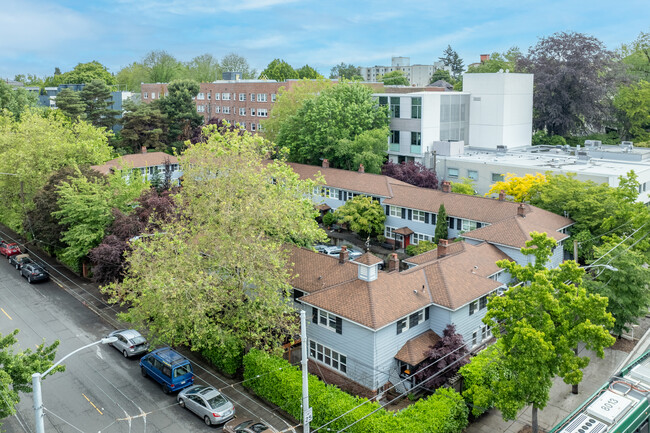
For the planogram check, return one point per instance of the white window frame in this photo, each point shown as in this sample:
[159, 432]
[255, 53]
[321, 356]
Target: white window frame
[225, 96]
[225, 110]
[419, 237]
[217, 109]
[327, 356]
[252, 112]
[209, 96]
[200, 96]
[242, 111]
[407, 321]
[145, 95]
[396, 211]
[153, 95]
[217, 96]
[468, 225]
[262, 112]
[261, 97]
[242, 97]
[252, 127]
[273, 97]
[389, 232]
[420, 215]
[200, 108]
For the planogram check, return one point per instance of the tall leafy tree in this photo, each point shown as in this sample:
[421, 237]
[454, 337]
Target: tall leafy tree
[637, 57]
[83, 73]
[626, 285]
[224, 251]
[143, 125]
[235, 63]
[40, 223]
[289, 101]
[573, 75]
[309, 73]
[342, 70]
[451, 58]
[520, 188]
[395, 78]
[203, 69]
[162, 67]
[279, 70]
[34, 148]
[411, 172]
[368, 149]
[441, 225]
[633, 110]
[132, 76]
[15, 100]
[326, 124]
[442, 74]
[465, 186]
[443, 359]
[71, 104]
[180, 110]
[363, 215]
[97, 99]
[17, 367]
[498, 62]
[539, 324]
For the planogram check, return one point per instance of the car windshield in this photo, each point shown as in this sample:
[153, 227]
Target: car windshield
[243, 425]
[139, 339]
[259, 427]
[216, 400]
[182, 370]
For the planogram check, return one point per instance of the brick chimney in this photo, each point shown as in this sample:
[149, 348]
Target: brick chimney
[393, 263]
[502, 195]
[521, 210]
[446, 186]
[442, 247]
[344, 254]
[362, 169]
[144, 149]
[485, 57]
[326, 163]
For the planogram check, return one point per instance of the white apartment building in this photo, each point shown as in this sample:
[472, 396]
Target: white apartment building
[418, 75]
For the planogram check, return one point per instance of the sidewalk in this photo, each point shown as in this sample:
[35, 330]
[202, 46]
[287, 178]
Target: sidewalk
[562, 402]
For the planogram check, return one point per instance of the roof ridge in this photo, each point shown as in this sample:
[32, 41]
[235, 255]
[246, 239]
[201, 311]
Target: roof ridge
[371, 301]
[444, 283]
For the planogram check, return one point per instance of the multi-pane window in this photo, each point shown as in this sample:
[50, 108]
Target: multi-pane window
[252, 127]
[145, 95]
[383, 100]
[252, 111]
[473, 306]
[242, 97]
[217, 109]
[153, 95]
[273, 97]
[328, 356]
[472, 174]
[225, 96]
[394, 137]
[396, 211]
[225, 110]
[200, 96]
[261, 97]
[416, 108]
[217, 96]
[452, 172]
[200, 108]
[416, 142]
[411, 321]
[262, 112]
[497, 177]
[242, 111]
[242, 125]
[483, 302]
[418, 237]
[209, 96]
[469, 225]
[394, 106]
[389, 232]
[418, 215]
[252, 97]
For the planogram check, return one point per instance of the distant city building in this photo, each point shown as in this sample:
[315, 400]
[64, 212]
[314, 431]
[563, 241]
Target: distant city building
[418, 75]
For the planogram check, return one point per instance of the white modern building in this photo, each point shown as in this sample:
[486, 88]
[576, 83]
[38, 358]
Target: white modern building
[418, 75]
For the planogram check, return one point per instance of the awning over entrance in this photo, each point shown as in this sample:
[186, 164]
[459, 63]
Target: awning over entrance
[323, 207]
[404, 231]
[413, 350]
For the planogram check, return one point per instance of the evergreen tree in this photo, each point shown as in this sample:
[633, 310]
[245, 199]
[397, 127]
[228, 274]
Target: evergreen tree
[71, 104]
[180, 110]
[97, 98]
[441, 224]
[451, 58]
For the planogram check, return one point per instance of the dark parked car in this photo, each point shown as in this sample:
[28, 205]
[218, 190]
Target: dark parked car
[34, 272]
[207, 403]
[9, 249]
[18, 260]
[129, 342]
[248, 426]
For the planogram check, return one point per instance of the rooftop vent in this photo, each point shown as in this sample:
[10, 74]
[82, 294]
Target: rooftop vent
[583, 157]
[627, 144]
[502, 148]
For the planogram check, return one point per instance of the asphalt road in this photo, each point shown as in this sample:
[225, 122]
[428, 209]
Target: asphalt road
[100, 391]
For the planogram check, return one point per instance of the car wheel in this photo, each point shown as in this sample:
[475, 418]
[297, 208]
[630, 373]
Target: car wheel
[143, 372]
[181, 402]
[165, 389]
[207, 421]
[126, 355]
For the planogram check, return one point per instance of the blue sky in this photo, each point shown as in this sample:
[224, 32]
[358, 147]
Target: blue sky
[38, 35]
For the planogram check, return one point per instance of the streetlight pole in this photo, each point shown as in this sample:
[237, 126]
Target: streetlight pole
[37, 377]
[306, 410]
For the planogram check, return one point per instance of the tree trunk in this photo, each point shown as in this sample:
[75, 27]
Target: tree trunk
[534, 420]
[574, 388]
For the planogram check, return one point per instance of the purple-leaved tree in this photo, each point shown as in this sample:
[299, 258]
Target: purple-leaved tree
[411, 172]
[443, 359]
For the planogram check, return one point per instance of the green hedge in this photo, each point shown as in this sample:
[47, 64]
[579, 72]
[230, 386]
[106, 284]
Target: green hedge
[227, 358]
[281, 384]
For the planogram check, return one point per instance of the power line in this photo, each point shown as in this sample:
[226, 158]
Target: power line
[55, 415]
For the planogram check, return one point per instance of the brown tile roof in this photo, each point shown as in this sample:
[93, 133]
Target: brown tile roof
[368, 259]
[431, 255]
[515, 231]
[367, 183]
[405, 231]
[413, 350]
[452, 282]
[137, 160]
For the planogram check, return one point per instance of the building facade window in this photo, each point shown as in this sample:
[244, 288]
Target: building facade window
[416, 142]
[252, 127]
[416, 108]
[252, 97]
[412, 320]
[394, 107]
[473, 306]
[225, 96]
[396, 211]
[497, 177]
[252, 112]
[242, 97]
[262, 112]
[328, 356]
[217, 96]
[153, 95]
[200, 96]
[472, 174]
[200, 108]
[242, 111]
[145, 95]
[217, 109]
[469, 225]
[261, 97]
[273, 97]
[483, 302]
[389, 232]
[243, 125]
[394, 141]
[418, 215]
[225, 110]
[452, 172]
[209, 95]
[383, 100]
[418, 237]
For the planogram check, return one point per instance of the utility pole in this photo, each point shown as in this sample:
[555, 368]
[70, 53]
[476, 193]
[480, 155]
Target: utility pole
[306, 410]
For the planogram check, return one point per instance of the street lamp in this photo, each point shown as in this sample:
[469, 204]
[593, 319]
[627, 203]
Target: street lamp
[37, 377]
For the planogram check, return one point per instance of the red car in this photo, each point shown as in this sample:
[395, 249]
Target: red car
[9, 249]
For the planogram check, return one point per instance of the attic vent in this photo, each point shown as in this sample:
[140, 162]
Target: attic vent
[584, 423]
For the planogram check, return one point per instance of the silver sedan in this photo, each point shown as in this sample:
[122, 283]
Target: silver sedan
[207, 403]
[129, 342]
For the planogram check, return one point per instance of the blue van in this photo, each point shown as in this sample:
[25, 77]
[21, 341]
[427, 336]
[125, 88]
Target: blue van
[169, 368]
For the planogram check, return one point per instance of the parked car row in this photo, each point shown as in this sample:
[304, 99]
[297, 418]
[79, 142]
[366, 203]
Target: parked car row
[23, 262]
[174, 372]
[334, 251]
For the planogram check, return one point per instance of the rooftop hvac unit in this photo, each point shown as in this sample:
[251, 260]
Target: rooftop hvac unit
[584, 423]
[627, 144]
[502, 148]
[609, 407]
[589, 143]
[597, 143]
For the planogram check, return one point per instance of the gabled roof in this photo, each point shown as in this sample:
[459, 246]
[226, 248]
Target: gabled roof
[515, 231]
[431, 255]
[451, 282]
[413, 350]
[137, 160]
[368, 259]
[367, 183]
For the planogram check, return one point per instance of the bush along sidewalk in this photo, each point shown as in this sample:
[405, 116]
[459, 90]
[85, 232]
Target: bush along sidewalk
[280, 383]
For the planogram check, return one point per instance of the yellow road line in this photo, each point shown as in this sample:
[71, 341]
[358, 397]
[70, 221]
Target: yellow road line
[6, 314]
[92, 404]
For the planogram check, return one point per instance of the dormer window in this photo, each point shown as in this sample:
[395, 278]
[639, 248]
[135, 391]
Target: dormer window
[368, 273]
[368, 265]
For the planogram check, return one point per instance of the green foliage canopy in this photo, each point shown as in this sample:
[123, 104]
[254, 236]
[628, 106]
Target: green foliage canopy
[279, 70]
[16, 100]
[441, 224]
[395, 78]
[363, 215]
[83, 73]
